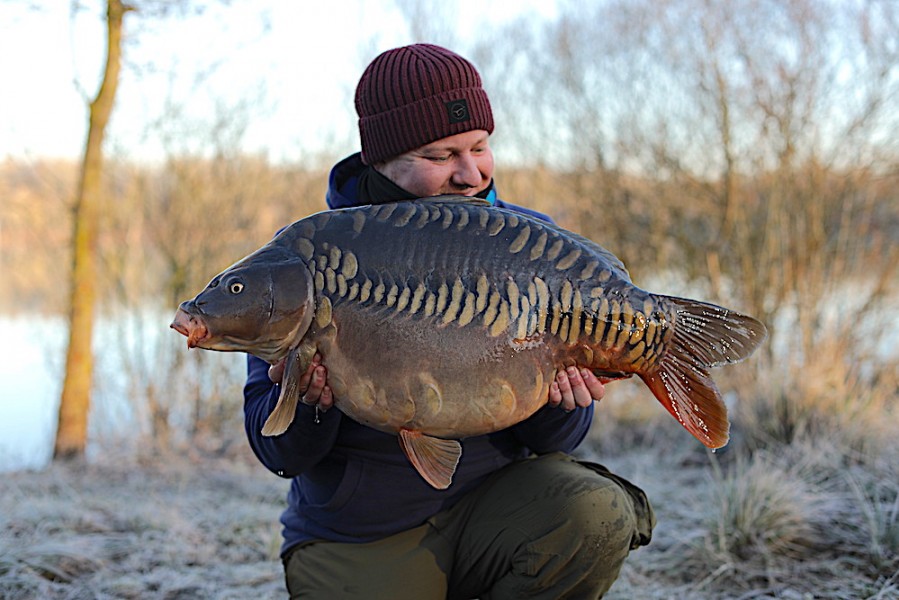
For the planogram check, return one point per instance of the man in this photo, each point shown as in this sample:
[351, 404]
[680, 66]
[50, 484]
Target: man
[522, 519]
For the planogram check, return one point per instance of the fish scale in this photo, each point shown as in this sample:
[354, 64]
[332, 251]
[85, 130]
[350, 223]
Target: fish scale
[561, 304]
[445, 318]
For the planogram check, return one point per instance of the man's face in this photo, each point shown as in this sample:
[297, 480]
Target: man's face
[458, 164]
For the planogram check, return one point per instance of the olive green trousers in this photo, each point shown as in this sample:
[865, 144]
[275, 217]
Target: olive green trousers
[547, 527]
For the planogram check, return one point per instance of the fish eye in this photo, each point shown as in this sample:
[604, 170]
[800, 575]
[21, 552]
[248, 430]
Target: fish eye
[235, 287]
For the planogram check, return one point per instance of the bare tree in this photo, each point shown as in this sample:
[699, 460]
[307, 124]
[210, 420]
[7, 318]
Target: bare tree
[71, 434]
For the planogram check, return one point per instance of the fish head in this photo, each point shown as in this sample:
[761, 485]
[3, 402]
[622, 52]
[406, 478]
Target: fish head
[261, 305]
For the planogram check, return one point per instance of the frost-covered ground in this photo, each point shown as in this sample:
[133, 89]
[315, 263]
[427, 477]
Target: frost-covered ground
[182, 530]
[172, 529]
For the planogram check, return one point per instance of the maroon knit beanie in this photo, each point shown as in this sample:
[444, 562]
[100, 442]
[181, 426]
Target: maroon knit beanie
[411, 96]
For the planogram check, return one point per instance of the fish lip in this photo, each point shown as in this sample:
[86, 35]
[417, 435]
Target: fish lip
[191, 326]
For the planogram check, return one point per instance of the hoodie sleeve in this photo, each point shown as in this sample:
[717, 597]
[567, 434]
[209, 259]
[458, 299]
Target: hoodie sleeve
[304, 443]
[554, 430]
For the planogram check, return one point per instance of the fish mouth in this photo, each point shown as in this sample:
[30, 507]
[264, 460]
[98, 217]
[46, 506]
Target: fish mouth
[191, 326]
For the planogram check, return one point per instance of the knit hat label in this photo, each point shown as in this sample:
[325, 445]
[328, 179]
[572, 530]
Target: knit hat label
[457, 111]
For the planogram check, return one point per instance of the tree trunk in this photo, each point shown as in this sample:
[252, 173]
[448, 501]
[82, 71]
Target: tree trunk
[71, 433]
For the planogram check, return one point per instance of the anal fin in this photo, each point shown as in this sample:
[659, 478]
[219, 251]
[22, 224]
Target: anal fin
[435, 459]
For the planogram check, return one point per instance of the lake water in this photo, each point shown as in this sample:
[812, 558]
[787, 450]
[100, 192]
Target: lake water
[31, 371]
[30, 363]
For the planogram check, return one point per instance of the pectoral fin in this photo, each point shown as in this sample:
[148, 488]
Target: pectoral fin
[435, 459]
[286, 408]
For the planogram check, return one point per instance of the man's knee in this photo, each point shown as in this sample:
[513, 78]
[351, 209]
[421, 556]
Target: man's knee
[604, 521]
[580, 550]
[584, 499]
[597, 523]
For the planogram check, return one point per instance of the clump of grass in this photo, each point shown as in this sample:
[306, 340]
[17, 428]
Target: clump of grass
[813, 519]
[745, 528]
[876, 527]
[762, 512]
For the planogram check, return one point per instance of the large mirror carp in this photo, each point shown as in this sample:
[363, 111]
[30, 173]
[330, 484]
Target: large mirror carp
[444, 318]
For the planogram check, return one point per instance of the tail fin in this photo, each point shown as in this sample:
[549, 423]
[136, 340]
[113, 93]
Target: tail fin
[705, 336]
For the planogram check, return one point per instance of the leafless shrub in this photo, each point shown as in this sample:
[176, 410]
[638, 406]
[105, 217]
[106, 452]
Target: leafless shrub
[172, 235]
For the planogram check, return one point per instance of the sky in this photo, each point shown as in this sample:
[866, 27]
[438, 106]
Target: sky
[279, 75]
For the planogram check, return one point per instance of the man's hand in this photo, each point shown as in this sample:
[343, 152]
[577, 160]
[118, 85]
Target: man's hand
[313, 383]
[573, 388]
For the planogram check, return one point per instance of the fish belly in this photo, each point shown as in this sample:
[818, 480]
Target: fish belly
[396, 372]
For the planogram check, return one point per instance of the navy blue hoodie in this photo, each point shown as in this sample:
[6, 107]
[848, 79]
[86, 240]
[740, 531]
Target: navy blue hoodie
[351, 483]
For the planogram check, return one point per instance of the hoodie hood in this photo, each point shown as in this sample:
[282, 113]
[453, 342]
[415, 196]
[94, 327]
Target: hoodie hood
[343, 188]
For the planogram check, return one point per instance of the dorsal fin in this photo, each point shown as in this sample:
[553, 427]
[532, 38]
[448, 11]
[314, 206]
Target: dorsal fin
[450, 198]
[435, 459]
